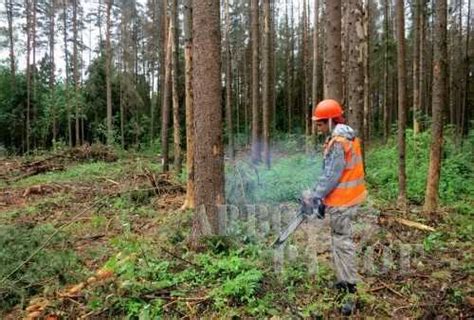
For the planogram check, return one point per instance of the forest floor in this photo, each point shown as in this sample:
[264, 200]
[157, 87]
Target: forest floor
[88, 234]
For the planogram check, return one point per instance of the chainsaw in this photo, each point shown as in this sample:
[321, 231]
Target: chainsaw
[304, 212]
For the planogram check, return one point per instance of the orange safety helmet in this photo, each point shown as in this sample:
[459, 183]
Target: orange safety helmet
[327, 109]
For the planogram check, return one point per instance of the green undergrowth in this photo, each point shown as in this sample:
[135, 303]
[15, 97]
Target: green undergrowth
[50, 269]
[283, 182]
[226, 279]
[457, 174]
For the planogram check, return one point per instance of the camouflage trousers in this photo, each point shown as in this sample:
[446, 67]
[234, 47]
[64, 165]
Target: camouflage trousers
[342, 244]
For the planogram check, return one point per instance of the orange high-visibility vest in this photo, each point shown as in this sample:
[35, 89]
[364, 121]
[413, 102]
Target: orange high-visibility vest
[351, 186]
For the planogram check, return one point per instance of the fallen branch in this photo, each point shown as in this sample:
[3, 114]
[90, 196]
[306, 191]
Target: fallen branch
[392, 290]
[179, 258]
[377, 289]
[90, 238]
[411, 224]
[412, 306]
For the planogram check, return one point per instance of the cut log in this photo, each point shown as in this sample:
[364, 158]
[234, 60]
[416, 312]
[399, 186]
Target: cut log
[411, 224]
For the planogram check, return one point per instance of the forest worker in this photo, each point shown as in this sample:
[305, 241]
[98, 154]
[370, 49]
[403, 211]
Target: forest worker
[341, 189]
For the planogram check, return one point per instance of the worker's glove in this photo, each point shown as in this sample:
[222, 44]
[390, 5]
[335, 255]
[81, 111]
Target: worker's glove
[306, 202]
[320, 208]
[306, 208]
[310, 206]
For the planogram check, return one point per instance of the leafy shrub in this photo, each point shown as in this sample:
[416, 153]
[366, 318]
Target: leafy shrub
[457, 173]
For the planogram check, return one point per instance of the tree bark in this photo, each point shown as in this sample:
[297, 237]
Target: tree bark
[66, 83]
[333, 56]
[9, 9]
[174, 82]
[52, 77]
[108, 67]
[386, 105]
[28, 74]
[421, 71]
[400, 11]
[416, 68]
[306, 78]
[256, 149]
[208, 147]
[266, 82]
[439, 101]
[355, 66]
[75, 59]
[316, 67]
[289, 69]
[228, 84]
[366, 67]
[165, 110]
[464, 127]
[34, 113]
[189, 202]
[273, 70]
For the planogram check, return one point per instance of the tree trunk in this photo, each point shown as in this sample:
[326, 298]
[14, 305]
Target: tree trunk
[66, 61]
[421, 71]
[416, 68]
[289, 69]
[316, 67]
[165, 110]
[439, 101]
[366, 63]
[355, 66]
[464, 127]
[34, 114]
[108, 67]
[228, 83]
[333, 57]
[9, 9]
[75, 60]
[208, 147]
[386, 105]
[52, 78]
[163, 4]
[28, 74]
[266, 82]
[247, 96]
[189, 202]
[400, 11]
[254, 12]
[174, 81]
[305, 64]
[460, 76]
[273, 71]
[122, 106]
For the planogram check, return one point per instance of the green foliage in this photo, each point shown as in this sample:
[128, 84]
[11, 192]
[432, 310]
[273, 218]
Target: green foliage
[47, 270]
[433, 241]
[242, 288]
[457, 173]
[56, 107]
[285, 181]
[232, 281]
